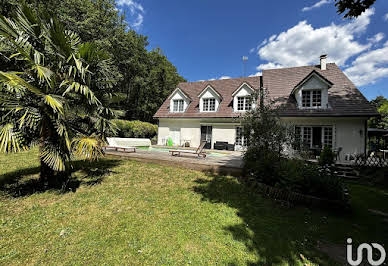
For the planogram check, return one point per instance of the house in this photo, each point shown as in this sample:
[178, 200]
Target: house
[325, 107]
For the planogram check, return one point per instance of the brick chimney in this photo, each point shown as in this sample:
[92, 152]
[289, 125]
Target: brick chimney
[323, 61]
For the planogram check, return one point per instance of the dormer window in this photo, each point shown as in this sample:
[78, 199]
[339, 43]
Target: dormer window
[311, 98]
[178, 106]
[313, 92]
[209, 105]
[179, 101]
[242, 99]
[244, 103]
[209, 99]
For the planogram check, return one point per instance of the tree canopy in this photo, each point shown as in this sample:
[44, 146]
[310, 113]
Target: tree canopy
[146, 77]
[353, 8]
[381, 104]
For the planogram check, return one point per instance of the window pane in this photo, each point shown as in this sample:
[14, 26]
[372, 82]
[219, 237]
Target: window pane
[248, 103]
[212, 104]
[180, 106]
[205, 105]
[317, 96]
[306, 98]
[175, 106]
[240, 103]
[307, 136]
[328, 136]
[239, 137]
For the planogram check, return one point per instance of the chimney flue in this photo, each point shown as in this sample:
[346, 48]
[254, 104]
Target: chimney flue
[323, 61]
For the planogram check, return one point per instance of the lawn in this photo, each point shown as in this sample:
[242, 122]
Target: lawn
[128, 212]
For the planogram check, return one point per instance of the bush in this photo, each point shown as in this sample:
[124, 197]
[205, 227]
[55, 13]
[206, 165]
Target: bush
[134, 129]
[327, 156]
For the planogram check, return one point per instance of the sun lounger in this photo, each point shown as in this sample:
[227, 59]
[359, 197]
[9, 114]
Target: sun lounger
[119, 144]
[199, 152]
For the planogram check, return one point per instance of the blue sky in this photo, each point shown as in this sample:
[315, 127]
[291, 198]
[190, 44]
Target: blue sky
[207, 39]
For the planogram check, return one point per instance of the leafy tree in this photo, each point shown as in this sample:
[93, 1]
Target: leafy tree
[147, 76]
[353, 8]
[47, 98]
[381, 104]
[267, 137]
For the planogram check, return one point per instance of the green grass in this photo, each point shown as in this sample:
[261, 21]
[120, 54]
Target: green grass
[127, 212]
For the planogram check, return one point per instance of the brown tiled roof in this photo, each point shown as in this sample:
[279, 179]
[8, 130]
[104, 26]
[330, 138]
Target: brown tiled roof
[224, 87]
[344, 98]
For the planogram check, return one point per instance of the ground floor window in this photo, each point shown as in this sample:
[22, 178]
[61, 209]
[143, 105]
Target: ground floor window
[314, 137]
[240, 139]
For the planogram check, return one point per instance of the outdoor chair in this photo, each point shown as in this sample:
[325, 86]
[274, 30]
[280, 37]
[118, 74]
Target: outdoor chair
[118, 144]
[199, 152]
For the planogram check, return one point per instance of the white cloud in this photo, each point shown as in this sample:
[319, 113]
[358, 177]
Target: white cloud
[252, 50]
[136, 10]
[224, 77]
[316, 5]
[386, 17]
[377, 38]
[369, 66]
[302, 44]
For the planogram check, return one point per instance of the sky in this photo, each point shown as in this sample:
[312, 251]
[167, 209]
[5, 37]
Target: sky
[207, 39]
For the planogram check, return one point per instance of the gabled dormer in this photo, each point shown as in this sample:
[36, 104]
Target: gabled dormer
[242, 98]
[179, 101]
[209, 99]
[312, 92]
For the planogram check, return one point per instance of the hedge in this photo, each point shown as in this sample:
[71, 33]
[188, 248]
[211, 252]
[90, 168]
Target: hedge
[134, 129]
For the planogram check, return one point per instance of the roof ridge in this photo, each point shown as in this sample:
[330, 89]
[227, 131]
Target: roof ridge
[280, 68]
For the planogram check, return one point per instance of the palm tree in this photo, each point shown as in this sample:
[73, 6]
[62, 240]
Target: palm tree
[46, 95]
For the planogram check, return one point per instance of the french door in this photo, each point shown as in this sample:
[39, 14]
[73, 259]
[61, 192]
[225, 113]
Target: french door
[206, 135]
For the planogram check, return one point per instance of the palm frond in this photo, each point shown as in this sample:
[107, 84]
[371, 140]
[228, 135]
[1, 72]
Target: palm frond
[43, 73]
[84, 90]
[10, 139]
[54, 102]
[12, 79]
[87, 147]
[53, 157]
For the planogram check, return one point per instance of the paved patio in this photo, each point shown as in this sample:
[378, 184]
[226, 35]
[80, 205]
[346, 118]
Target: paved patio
[229, 163]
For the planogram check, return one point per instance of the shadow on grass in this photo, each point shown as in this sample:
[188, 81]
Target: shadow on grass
[276, 234]
[26, 181]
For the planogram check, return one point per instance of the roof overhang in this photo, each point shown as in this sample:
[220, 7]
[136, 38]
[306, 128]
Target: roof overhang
[209, 87]
[313, 73]
[241, 86]
[181, 91]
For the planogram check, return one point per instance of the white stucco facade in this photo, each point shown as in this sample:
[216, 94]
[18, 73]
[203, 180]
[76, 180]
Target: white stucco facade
[348, 133]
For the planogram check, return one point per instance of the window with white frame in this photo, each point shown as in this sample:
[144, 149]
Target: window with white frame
[314, 136]
[311, 98]
[244, 103]
[240, 139]
[209, 105]
[178, 106]
[328, 136]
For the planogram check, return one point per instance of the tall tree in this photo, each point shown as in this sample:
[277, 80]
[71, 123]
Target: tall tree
[381, 104]
[147, 76]
[47, 98]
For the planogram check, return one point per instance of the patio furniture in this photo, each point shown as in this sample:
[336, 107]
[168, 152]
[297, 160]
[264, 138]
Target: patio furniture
[198, 152]
[221, 145]
[124, 144]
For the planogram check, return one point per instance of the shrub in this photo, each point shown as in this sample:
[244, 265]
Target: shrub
[327, 156]
[134, 129]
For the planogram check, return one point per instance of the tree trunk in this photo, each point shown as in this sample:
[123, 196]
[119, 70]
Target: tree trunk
[46, 174]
